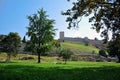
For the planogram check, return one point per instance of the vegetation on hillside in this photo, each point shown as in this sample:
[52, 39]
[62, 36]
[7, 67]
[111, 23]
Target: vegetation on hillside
[79, 48]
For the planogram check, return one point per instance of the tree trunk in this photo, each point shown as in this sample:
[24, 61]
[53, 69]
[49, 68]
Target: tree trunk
[38, 57]
[65, 61]
[8, 57]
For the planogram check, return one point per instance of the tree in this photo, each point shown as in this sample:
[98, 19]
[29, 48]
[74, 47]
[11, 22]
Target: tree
[1, 38]
[65, 54]
[114, 48]
[40, 30]
[102, 53]
[10, 44]
[105, 15]
[96, 39]
[24, 40]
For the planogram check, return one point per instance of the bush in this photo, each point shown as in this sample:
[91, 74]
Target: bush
[65, 54]
[102, 53]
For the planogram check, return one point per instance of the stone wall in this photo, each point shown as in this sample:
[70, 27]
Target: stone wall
[96, 43]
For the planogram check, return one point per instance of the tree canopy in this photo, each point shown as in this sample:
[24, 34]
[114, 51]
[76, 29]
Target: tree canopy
[10, 44]
[105, 15]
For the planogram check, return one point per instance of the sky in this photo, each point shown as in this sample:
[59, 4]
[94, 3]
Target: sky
[13, 17]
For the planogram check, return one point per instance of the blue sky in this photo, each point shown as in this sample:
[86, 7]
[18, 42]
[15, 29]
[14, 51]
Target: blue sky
[13, 17]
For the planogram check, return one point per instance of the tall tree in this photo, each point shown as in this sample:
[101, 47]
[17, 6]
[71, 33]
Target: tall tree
[40, 30]
[10, 44]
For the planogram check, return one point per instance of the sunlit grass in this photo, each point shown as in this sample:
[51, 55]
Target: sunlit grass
[49, 71]
[79, 47]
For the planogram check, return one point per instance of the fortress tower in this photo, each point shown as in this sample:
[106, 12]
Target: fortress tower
[61, 36]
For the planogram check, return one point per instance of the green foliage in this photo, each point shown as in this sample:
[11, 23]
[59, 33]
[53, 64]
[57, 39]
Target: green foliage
[10, 44]
[65, 54]
[113, 47]
[41, 30]
[1, 42]
[43, 49]
[30, 47]
[46, 48]
[56, 43]
[102, 53]
[86, 43]
[24, 40]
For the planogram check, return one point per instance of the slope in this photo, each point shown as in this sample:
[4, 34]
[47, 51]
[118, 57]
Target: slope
[80, 48]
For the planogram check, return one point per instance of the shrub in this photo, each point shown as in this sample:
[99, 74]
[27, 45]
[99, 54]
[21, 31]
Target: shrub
[102, 53]
[65, 54]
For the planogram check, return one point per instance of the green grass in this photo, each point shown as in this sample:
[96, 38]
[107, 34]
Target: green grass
[17, 70]
[79, 47]
[48, 70]
[30, 70]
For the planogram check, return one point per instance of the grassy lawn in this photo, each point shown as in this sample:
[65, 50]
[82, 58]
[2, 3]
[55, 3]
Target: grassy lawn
[26, 70]
[74, 70]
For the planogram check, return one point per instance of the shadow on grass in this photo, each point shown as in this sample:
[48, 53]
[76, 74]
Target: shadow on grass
[7, 62]
[23, 72]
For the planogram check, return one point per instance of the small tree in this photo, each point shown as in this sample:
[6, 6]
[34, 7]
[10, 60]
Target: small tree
[24, 40]
[10, 44]
[65, 54]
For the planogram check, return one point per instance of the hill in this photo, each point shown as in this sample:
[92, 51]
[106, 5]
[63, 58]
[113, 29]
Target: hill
[80, 48]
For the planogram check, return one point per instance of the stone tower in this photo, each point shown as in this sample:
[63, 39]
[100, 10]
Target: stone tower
[61, 36]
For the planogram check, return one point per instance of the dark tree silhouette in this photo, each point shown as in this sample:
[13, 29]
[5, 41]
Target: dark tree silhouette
[105, 15]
